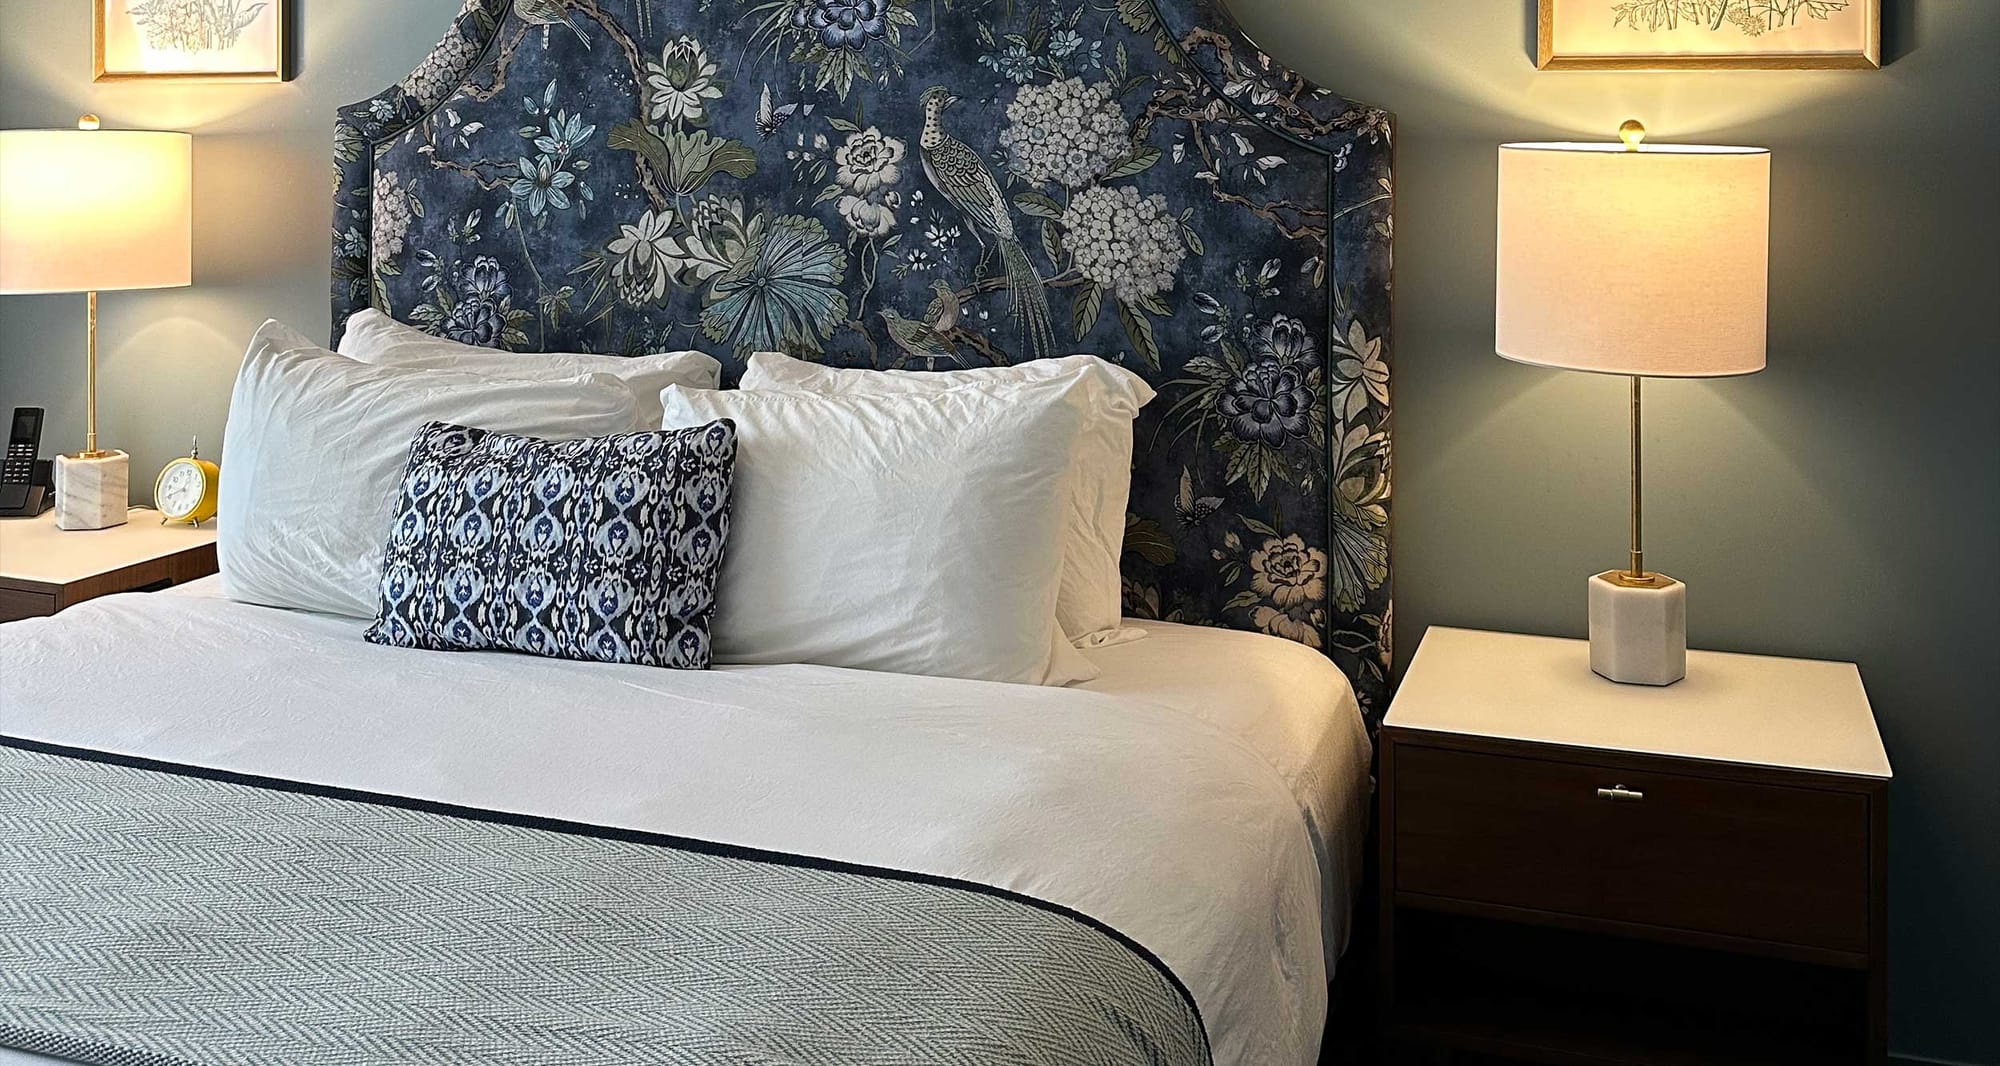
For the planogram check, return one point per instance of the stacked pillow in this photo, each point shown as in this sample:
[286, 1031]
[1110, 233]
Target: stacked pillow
[918, 533]
[961, 524]
[1091, 601]
[375, 338]
[316, 446]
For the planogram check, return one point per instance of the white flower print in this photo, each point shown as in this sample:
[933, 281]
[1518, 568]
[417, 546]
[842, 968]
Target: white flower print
[916, 261]
[679, 86]
[1359, 373]
[349, 245]
[870, 160]
[441, 70]
[1068, 132]
[1128, 243]
[390, 214]
[1290, 578]
[868, 216]
[644, 257]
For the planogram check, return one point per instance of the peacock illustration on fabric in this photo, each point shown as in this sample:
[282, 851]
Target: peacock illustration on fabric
[904, 185]
[958, 173]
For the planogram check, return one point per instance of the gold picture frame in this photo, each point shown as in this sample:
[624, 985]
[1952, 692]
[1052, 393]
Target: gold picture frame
[1708, 34]
[221, 40]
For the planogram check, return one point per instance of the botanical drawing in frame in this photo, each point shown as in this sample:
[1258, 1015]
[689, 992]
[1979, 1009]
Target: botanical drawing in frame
[210, 40]
[1708, 34]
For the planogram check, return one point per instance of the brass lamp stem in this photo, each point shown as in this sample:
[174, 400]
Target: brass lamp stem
[1633, 133]
[90, 450]
[1638, 571]
[1636, 575]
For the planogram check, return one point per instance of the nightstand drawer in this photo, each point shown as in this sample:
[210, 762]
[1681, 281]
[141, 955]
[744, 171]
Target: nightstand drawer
[16, 604]
[1763, 861]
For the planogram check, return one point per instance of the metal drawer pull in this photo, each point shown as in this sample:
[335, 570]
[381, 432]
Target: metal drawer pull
[1620, 794]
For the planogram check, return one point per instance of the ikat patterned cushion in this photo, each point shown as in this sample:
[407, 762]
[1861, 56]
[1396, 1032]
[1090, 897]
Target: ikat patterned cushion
[606, 549]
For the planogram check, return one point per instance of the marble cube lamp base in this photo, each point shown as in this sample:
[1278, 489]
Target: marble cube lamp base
[1638, 636]
[92, 493]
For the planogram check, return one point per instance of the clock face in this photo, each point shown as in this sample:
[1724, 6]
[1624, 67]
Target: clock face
[181, 490]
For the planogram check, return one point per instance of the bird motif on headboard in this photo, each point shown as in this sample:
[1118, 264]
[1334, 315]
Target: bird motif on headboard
[960, 176]
[925, 341]
[930, 185]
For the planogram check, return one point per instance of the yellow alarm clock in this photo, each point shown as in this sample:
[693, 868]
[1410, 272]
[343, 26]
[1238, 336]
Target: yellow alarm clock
[186, 489]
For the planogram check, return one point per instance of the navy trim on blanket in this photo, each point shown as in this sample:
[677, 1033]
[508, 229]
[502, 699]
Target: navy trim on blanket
[63, 1047]
[602, 832]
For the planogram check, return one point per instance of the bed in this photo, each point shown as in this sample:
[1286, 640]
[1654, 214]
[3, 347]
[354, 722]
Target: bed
[1076, 797]
[518, 859]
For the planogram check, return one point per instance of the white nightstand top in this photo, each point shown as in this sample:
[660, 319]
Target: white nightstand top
[33, 549]
[1790, 713]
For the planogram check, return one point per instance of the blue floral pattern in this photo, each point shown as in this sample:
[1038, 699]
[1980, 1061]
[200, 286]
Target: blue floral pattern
[888, 183]
[606, 549]
[843, 23]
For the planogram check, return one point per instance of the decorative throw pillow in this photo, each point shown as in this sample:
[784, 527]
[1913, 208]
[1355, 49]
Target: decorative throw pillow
[606, 549]
[374, 338]
[1091, 602]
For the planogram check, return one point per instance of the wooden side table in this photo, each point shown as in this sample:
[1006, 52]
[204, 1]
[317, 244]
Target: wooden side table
[1576, 871]
[44, 569]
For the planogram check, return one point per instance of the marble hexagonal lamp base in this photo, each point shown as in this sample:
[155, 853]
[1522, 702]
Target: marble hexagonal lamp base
[92, 493]
[1638, 634]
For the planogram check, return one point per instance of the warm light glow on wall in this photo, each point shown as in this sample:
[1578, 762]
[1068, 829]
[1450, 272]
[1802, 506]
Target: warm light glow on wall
[85, 210]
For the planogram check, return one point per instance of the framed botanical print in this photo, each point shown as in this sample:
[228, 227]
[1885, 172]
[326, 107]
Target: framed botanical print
[214, 40]
[1708, 34]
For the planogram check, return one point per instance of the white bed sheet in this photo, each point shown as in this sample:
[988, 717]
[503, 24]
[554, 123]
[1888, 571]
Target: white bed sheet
[1206, 795]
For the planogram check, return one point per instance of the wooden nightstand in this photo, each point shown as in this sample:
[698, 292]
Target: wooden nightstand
[44, 569]
[1576, 871]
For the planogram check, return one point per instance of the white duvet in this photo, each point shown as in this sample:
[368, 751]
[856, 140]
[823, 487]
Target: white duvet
[1206, 795]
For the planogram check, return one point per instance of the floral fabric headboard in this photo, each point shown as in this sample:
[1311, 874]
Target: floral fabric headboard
[935, 184]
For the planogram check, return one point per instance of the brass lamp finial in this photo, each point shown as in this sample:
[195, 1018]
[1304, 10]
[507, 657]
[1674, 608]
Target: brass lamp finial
[1633, 133]
[88, 122]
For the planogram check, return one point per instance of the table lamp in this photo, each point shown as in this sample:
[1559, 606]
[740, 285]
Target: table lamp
[1644, 261]
[86, 210]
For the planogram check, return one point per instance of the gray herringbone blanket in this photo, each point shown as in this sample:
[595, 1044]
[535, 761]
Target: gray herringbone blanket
[156, 916]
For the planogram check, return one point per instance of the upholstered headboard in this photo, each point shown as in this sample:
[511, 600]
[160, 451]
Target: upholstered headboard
[936, 184]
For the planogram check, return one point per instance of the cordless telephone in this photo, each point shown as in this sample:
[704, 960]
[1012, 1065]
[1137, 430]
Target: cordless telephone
[24, 477]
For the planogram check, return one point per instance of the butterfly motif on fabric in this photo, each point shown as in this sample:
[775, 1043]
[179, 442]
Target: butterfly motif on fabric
[1194, 510]
[771, 119]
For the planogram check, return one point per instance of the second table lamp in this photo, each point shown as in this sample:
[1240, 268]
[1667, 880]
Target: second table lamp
[86, 210]
[1643, 261]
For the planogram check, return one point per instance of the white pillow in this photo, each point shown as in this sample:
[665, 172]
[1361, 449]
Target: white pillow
[1092, 599]
[314, 452]
[373, 337]
[916, 534]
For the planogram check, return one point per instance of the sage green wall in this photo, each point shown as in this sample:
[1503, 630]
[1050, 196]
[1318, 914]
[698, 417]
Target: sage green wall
[1844, 504]
[263, 199]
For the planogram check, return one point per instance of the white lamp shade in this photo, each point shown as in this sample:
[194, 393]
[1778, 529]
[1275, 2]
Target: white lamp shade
[1652, 263]
[88, 210]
